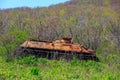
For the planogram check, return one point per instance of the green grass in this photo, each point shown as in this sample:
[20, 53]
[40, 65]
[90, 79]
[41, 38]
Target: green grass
[31, 68]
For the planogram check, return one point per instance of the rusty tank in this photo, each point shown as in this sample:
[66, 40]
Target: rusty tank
[57, 49]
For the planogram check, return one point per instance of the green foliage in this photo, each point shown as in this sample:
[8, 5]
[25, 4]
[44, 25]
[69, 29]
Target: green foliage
[10, 40]
[34, 71]
[2, 50]
[55, 69]
[28, 60]
[43, 61]
[76, 40]
[100, 50]
[16, 35]
[76, 76]
[109, 77]
[87, 63]
[2, 76]
[75, 61]
[95, 66]
[118, 66]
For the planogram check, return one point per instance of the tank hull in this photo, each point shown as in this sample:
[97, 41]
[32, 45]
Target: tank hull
[55, 50]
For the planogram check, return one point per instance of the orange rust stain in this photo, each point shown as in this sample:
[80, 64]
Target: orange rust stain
[65, 44]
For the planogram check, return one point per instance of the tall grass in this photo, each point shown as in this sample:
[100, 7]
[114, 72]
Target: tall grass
[42, 69]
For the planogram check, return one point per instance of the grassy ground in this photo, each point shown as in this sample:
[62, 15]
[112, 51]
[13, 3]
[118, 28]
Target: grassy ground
[31, 68]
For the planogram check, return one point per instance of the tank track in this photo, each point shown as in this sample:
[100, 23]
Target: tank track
[53, 54]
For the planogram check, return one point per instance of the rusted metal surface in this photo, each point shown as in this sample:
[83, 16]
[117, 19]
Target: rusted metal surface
[64, 44]
[64, 48]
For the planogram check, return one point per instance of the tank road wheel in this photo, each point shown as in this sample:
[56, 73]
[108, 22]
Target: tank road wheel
[68, 57]
[80, 56]
[91, 57]
[55, 55]
[47, 55]
[51, 55]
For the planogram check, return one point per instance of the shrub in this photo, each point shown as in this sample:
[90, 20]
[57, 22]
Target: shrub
[34, 71]
[43, 60]
[2, 76]
[28, 60]
[74, 62]
[76, 76]
[10, 40]
[109, 77]
[95, 66]
[86, 63]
